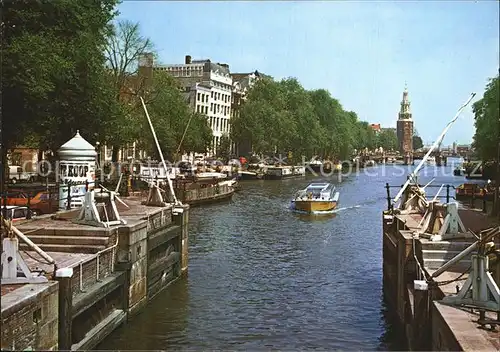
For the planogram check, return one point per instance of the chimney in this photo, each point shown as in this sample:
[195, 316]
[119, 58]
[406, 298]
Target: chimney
[188, 59]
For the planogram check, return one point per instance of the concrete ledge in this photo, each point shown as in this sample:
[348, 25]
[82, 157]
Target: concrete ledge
[160, 236]
[163, 263]
[137, 307]
[98, 291]
[26, 295]
[100, 331]
[465, 331]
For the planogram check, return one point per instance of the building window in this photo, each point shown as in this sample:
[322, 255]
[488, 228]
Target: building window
[211, 106]
[206, 109]
[199, 96]
[212, 94]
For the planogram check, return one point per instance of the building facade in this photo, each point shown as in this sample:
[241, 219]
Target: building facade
[207, 87]
[405, 126]
[375, 127]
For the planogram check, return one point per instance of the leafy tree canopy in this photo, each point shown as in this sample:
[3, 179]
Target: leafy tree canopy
[487, 121]
[53, 80]
[177, 128]
[387, 139]
[281, 117]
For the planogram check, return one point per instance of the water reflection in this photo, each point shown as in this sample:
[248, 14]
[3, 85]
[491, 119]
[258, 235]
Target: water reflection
[263, 277]
[319, 217]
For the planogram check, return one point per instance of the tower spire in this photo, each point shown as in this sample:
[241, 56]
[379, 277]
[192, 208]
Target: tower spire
[405, 111]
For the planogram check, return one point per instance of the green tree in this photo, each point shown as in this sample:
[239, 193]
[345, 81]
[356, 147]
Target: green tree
[177, 128]
[487, 121]
[417, 141]
[263, 118]
[337, 141]
[125, 45]
[198, 134]
[387, 139]
[53, 80]
[224, 147]
[301, 132]
[281, 116]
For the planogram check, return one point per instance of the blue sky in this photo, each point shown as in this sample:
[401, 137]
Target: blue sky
[363, 52]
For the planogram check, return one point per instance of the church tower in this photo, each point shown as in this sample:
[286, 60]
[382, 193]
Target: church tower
[405, 127]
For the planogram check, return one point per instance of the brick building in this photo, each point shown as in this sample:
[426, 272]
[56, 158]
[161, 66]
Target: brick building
[405, 126]
[207, 87]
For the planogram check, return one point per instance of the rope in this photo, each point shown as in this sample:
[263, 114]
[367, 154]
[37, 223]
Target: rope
[38, 260]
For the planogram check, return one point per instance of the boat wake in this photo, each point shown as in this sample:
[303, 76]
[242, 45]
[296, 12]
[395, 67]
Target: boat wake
[334, 211]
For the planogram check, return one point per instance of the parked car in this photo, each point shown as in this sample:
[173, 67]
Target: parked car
[17, 174]
[42, 203]
[14, 213]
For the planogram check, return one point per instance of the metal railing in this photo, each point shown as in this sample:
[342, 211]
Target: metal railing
[97, 257]
[53, 198]
[448, 197]
[471, 201]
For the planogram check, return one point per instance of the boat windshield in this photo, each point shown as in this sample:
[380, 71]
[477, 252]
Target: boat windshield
[316, 192]
[300, 194]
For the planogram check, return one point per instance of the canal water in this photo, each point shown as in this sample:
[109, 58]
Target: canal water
[264, 277]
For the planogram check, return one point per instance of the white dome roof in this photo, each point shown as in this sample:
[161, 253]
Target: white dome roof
[77, 149]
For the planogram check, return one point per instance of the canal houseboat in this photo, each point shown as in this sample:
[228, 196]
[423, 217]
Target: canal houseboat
[316, 197]
[315, 165]
[154, 171]
[204, 188]
[282, 172]
[245, 175]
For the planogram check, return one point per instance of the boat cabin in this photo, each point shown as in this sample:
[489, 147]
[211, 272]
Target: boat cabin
[318, 191]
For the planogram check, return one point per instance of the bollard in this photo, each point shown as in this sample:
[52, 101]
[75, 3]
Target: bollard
[63, 276]
[447, 193]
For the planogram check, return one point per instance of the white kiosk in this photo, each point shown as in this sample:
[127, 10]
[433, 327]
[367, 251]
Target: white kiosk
[77, 162]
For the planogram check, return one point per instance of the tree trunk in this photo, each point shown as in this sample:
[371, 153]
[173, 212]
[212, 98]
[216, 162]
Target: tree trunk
[3, 175]
[114, 155]
[40, 155]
